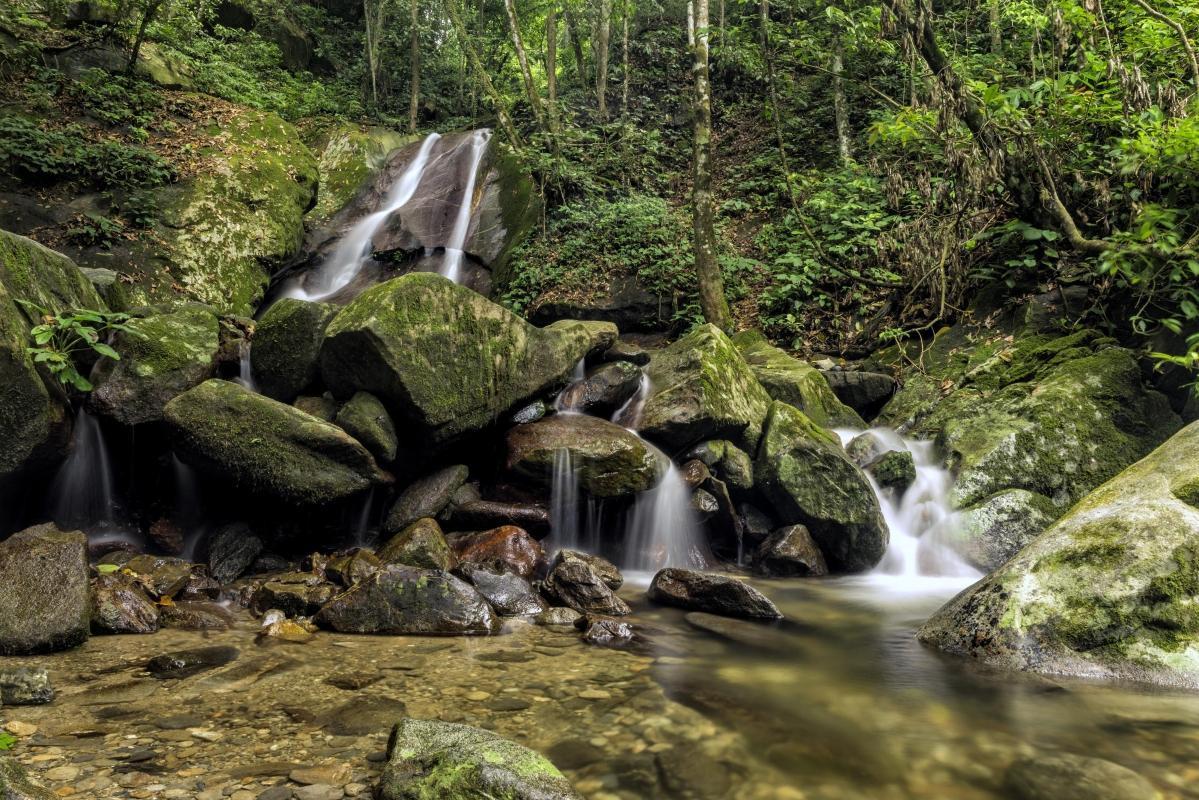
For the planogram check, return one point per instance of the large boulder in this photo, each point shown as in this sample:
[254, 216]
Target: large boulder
[399, 600]
[790, 380]
[989, 533]
[507, 545]
[427, 758]
[162, 356]
[287, 346]
[426, 497]
[865, 392]
[803, 471]
[256, 443]
[607, 460]
[45, 600]
[711, 593]
[445, 359]
[350, 155]
[703, 389]
[34, 423]
[1067, 776]
[790, 552]
[1107, 591]
[16, 785]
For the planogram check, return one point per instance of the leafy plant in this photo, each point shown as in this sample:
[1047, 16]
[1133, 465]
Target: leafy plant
[7, 740]
[60, 338]
[91, 229]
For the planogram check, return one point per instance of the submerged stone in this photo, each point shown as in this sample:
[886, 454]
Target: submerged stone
[1066, 776]
[45, 599]
[25, 686]
[185, 663]
[715, 594]
[608, 572]
[399, 600]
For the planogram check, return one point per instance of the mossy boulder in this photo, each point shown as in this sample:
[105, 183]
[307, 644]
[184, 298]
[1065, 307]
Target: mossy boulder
[164, 355]
[790, 380]
[365, 418]
[399, 600]
[15, 784]
[728, 462]
[266, 447]
[446, 360]
[607, 459]
[428, 758]
[703, 389]
[421, 544]
[351, 154]
[801, 468]
[1108, 591]
[34, 420]
[287, 345]
[989, 533]
[45, 600]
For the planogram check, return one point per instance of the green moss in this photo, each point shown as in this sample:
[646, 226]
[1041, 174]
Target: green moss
[796, 382]
[350, 155]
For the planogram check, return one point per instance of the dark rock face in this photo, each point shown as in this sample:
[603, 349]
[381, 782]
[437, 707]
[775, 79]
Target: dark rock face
[715, 594]
[484, 514]
[1065, 776]
[365, 418]
[604, 390]
[231, 551]
[864, 392]
[605, 631]
[627, 304]
[296, 594]
[425, 497]
[287, 345]
[45, 597]
[508, 545]
[894, 470]
[426, 758]
[788, 553]
[25, 686]
[574, 583]
[120, 606]
[607, 571]
[400, 600]
[421, 544]
[726, 461]
[510, 595]
[190, 662]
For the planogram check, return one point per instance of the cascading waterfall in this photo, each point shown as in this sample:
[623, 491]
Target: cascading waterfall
[189, 509]
[664, 529]
[564, 502]
[81, 494]
[455, 246]
[245, 371]
[629, 414]
[354, 249]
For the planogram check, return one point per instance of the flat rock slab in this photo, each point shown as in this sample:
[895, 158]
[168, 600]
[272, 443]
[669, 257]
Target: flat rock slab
[715, 594]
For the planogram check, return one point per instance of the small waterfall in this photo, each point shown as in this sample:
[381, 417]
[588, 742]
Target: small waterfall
[455, 246]
[565, 402]
[189, 510]
[664, 529]
[81, 494]
[921, 517]
[362, 528]
[245, 371]
[355, 249]
[629, 414]
[564, 502]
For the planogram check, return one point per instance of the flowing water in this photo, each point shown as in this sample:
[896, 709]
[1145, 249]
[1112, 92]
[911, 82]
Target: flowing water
[245, 369]
[456, 243]
[664, 528]
[82, 494]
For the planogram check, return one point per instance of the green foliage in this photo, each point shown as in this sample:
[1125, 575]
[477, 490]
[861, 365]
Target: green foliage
[7, 740]
[92, 229]
[115, 99]
[61, 338]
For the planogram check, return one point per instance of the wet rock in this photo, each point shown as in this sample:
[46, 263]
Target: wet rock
[864, 392]
[604, 390]
[400, 600]
[797, 383]
[185, 663]
[790, 553]
[429, 758]
[486, 514]
[296, 594]
[704, 503]
[365, 418]
[348, 569]
[805, 474]
[323, 407]
[558, 616]
[25, 686]
[232, 550]
[742, 632]
[607, 571]
[574, 583]
[421, 544]
[895, 469]
[990, 533]
[163, 576]
[684, 775]
[508, 545]
[429, 349]
[120, 606]
[287, 344]
[167, 536]
[727, 462]
[195, 617]
[510, 595]
[865, 448]
[608, 460]
[604, 631]
[694, 473]
[715, 594]
[1065, 776]
[425, 498]
[363, 716]
[756, 524]
[530, 413]
[278, 628]
[226, 430]
[351, 155]
[15, 784]
[45, 596]
[624, 350]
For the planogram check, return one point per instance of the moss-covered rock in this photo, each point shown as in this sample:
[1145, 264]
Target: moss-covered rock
[34, 423]
[728, 462]
[428, 758]
[16, 785]
[426, 497]
[259, 444]
[164, 355]
[445, 359]
[421, 544]
[803, 471]
[790, 380]
[1109, 590]
[989, 533]
[351, 154]
[287, 346]
[45, 600]
[399, 600]
[365, 418]
[703, 389]
[607, 459]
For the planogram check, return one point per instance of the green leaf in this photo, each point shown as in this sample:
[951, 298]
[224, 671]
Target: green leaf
[105, 350]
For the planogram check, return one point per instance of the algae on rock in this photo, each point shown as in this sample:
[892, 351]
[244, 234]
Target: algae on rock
[790, 380]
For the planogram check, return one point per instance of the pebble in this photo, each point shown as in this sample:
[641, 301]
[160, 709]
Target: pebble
[62, 774]
[478, 695]
[18, 728]
[329, 774]
[595, 694]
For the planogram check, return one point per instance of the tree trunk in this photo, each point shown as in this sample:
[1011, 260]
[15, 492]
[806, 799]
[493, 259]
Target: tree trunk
[993, 25]
[711, 286]
[373, 18]
[551, 64]
[414, 57]
[602, 41]
[576, 42]
[522, 58]
[840, 106]
[147, 17]
[626, 11]
[501, 107]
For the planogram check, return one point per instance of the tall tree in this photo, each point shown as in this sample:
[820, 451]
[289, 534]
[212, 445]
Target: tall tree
[414, 58]
[575, 34]
[149, 10]
[602, 41]
[840, 104]
[497, 99]
[374, 19]
[626, 12]
[711, 285]
[522, 58]
[551, 62]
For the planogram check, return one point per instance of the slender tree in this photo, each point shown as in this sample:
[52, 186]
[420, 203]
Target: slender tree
[840, 104]
[602, 41]
[148, 12]
[414, 58]
[575, 34]
[551, 62]
[711, 285]
[526, 74]
[626, 12]
[374, 20]
[497, 99]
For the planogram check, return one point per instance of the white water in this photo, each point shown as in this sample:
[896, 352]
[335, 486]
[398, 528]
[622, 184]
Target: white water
[664, 528]
[82, 491]
[245, 371]
[354, 249]
[564, 401]
[919, 519]
[629, 414]
[451, 266]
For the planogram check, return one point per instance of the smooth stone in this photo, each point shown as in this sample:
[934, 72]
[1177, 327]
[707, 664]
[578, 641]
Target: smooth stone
[425, 498]
[789, 553]
[508, 545]
[25, 686]
[184, 663]
[716, 594]
[1065, 776]
[574, 583]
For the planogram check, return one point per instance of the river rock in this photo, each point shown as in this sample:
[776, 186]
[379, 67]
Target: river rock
[703, 389]
[323, 406]
[45, 597]
[865, 448]
[425, 497]
[35, 424]
[196, 616]
[232, 550]
[726, 461]
[989, 533]
[604, 390]
[744, 633]
[572, 582]
[510, 595]
[1106, 591]
[421, 544]
[296, 594]
[225, 430]
[120, 606]
[349, 569]
[796, 382]
[480, 514]
[790, 552]
[365, 418]
[162, 356]
[1066, 776]
[401, 600]
[426, 758]
[15, 784]
[608, 460]
[507, 545]
[162, 576]
[803, 471]
[607, 571]
[287, 345]
[624, 350]
[715, 594]
[25, 686]
[605, 631]
[559, 616]
[446, 360]
[865, 392]
[895, 469]
[184, 663]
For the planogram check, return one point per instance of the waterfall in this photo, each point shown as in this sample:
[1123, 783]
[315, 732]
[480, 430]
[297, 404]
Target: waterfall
[564, 502]
[355, 249]
[664, 529]
[455, 246]
[245, 371]
[920, 518]
[629, 414]
[189, 510]
[81, 494]
[565, 401]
